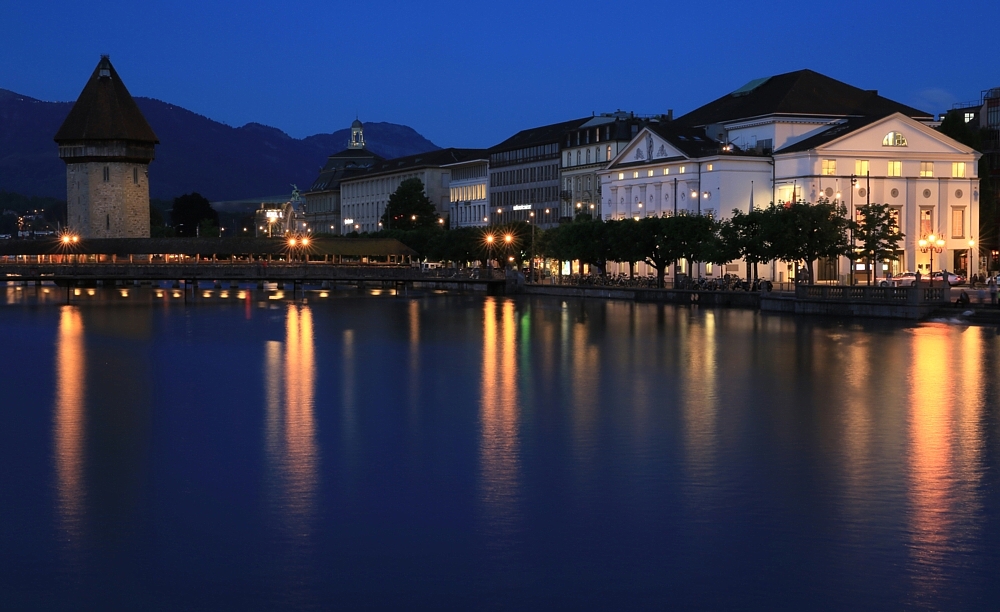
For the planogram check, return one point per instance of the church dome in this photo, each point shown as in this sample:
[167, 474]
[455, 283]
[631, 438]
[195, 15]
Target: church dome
[356, 124]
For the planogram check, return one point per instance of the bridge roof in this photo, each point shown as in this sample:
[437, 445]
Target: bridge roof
[350, 247]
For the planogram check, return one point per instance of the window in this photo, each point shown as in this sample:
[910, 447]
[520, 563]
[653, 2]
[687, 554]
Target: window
[578, 153]
[135, 175]
[649, 173]
[926, 225]
[588, 155]
[829, 167]
[608, 158]
[666, 171]
[621, 176]
[711, 167]
[682, 169]
[958, 169]
[569, 158]
[107, 174]
[926, 169]
[958, 223]
[894, 139]
[861, 167]
[895, 169]
[635, 174]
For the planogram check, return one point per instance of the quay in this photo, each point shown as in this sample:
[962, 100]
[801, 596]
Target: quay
[913, 303]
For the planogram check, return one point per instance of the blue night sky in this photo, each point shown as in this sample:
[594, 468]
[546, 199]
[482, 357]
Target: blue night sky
[471, 74]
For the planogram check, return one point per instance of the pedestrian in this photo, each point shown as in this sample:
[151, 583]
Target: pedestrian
[916, 278]
[992, 285]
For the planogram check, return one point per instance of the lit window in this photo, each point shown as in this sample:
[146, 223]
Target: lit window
[894, 139]
[682, 169]
[958, 169]
[649, 173]
[969, 117]
[895, 169]
[666, 171]
[608, 158]
[958, 223]
[621, 176]
[926, 169]
[635, 174]
[861, 167]
[829, 166]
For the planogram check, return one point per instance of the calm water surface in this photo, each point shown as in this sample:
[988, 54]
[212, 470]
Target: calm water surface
[464, 452]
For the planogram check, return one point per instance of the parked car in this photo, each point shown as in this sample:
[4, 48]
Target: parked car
[953, 279]
[903, 279]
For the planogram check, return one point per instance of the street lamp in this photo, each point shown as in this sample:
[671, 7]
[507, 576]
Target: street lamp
[932, 244]
[968, 262]
[854, 185]
[490, 239]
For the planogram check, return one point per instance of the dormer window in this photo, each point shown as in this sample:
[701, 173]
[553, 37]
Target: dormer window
[894, 139]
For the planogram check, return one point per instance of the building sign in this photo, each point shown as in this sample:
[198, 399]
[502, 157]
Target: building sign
[273, 214]
[348, 221]
[522, 207]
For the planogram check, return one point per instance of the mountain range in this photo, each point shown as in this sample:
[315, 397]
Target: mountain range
[195, 153]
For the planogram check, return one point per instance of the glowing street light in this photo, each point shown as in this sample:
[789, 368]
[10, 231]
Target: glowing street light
[931, 245]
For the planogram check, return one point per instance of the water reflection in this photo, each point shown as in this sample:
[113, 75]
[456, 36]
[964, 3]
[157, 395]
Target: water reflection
[69, 426]
[699, 400]
[945, 445]
[290, 423]
[499, 448]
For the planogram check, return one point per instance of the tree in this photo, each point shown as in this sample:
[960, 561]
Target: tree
[409, 207]
[188, 213]
[805, 232]
[625, 242]
[955, 126]
[690, 237]
[877, 234]
[745, 234]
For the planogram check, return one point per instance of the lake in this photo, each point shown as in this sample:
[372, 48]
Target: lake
[345, 451]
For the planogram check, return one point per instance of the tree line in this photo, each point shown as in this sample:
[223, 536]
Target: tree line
[797, 232]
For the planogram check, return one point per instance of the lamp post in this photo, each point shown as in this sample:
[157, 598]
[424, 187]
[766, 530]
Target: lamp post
[854, 185]
[968, 262]
[932, 244]
[531, 263]
[508, 240]
[490, 239]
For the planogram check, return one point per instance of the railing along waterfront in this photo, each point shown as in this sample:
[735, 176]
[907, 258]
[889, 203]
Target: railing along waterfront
[884, 295]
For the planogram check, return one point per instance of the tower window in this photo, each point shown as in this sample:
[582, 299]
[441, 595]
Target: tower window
[107, 221]
[107, 174]
[135, 175]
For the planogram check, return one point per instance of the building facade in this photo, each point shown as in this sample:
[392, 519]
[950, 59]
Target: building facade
[322, 201]
[364, 196]
[588, 150]
[775, 140]
[107, 146]
[468, 190]
[525, 174]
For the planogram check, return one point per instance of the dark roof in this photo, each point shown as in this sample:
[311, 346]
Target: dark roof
[693, 142]
[437, 158]
[342, 165]
[803, 92]
[105, 111]
[352, 247]
[834, 132]
[545, 134]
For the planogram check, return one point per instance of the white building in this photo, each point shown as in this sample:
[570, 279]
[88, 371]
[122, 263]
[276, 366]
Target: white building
[798, 137]
[364, 197]
[468, 190]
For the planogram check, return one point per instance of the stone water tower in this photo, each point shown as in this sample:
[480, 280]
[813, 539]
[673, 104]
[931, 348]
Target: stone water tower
[107, 146]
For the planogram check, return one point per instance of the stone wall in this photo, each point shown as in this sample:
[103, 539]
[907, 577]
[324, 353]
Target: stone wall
[113, 208]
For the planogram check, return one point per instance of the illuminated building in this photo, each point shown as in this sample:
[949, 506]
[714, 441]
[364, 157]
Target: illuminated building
[524, 174]
[800, 137]
[364, 196]
[323, 208]
[467, 191]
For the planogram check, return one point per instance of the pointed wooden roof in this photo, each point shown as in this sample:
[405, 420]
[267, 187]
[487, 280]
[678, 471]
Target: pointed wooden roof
[105, 110]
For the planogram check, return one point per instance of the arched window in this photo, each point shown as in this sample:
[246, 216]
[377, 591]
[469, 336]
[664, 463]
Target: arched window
[894, 139]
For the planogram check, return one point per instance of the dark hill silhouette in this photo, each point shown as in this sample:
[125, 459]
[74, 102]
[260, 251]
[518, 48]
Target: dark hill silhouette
[195, 153]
